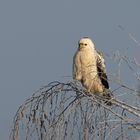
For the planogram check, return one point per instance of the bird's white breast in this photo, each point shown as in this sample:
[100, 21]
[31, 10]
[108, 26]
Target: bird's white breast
[88, 63]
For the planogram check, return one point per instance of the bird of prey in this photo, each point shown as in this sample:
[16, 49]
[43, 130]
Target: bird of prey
[89, 68]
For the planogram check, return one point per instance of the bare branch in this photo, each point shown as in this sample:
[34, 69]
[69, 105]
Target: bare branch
[64, 110]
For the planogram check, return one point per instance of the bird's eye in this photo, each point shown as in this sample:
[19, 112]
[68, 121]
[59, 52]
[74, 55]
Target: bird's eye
[85, 44]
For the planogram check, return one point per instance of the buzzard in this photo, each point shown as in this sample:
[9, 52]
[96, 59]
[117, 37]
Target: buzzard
[89, 68]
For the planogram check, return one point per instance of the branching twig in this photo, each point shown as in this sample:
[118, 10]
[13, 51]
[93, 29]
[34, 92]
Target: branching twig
[49, 117]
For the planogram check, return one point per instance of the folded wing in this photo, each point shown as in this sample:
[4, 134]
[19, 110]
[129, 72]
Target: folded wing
[102, 70]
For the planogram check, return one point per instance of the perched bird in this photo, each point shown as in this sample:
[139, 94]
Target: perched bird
[89, 68]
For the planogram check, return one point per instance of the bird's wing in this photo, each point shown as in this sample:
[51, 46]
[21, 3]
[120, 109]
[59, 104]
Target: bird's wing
[102, 70]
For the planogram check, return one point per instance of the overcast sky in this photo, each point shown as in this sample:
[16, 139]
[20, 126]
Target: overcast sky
[38, 40]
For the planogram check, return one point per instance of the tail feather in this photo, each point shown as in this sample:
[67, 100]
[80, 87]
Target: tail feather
[108, 96]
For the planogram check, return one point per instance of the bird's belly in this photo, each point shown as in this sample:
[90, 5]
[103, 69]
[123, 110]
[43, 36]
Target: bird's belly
[93, 85]
[90, 79]
[89, 70]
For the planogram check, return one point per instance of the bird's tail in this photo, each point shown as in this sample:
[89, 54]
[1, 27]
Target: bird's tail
[108, 96]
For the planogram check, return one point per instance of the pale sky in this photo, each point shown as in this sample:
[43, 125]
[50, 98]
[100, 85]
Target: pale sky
[38, 40]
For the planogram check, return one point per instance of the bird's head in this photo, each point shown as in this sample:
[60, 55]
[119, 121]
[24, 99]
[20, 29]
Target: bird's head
[86, 43]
